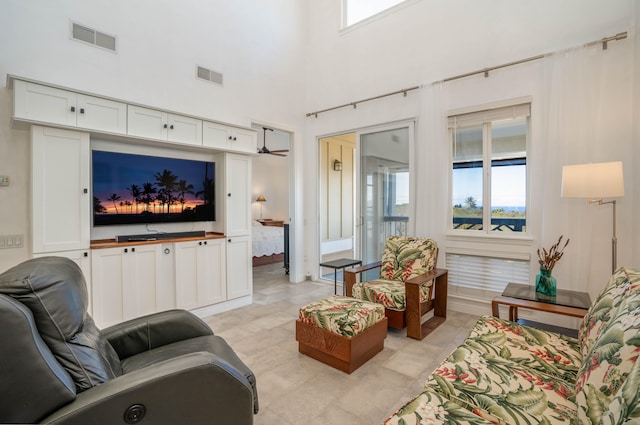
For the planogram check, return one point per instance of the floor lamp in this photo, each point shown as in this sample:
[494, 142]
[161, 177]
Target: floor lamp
[596, 181]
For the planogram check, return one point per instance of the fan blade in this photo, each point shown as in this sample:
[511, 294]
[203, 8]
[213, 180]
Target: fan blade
[280, 150]
[276, 154]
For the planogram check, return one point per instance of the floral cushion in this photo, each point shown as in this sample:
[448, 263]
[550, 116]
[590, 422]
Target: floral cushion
[406, 257]
[389, 293]
[546, 352]
[604, 307]
[502, 391]
[430, 408]
[608, 383]
[345, 316]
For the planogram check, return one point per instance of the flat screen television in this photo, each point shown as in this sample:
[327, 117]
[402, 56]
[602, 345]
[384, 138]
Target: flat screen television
[138, 189]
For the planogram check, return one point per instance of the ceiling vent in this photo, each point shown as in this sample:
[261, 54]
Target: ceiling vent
[93, 37]
[209, 75]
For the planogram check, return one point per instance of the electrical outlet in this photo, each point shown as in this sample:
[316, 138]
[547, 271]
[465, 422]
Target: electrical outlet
[11, 241]
[4, 180]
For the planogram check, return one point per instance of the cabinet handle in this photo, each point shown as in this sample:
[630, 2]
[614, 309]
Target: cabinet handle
[205, 242]
[229, 195]
[230, 138]
[85, 190]
[86, 254]
[133, 250]
[200, 243]
[167, 251]
[234, 138]
[171, 127]
[165, 126]
[82, 110]
[73, 109]
[126, 250]
[228, 240]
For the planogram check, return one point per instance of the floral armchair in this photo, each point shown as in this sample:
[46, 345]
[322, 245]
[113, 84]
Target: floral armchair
[405, 286]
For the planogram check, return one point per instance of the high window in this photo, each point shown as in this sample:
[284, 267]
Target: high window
[355, 11]
[489, 189]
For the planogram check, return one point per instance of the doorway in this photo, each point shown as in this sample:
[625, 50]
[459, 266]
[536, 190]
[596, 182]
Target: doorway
[366, 195]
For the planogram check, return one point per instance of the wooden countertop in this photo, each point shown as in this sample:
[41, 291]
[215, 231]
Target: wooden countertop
[111, 243]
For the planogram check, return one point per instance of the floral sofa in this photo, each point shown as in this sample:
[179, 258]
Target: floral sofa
[506, 373]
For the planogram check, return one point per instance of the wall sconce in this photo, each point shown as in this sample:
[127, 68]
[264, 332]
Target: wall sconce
[337, 165]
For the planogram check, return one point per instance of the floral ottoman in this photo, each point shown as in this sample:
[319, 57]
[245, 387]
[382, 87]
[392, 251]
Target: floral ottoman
[342, 332]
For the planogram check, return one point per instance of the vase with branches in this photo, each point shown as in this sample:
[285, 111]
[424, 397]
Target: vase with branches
[545, 282]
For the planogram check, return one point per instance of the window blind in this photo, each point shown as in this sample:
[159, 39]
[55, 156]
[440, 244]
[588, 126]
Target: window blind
[486, 273]
[480, 117]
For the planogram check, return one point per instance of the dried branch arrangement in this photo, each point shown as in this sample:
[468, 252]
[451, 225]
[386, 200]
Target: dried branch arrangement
[548, 259]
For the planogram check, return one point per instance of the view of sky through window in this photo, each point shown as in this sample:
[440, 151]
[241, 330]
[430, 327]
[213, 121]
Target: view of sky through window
[359, 10]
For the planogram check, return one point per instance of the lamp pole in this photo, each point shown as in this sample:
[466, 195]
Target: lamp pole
[614, 239]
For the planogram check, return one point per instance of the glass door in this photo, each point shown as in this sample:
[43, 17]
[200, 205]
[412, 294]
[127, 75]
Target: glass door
[385, 205]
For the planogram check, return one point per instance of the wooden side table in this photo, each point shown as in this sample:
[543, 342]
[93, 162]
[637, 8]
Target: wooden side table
[566, 303]
[270, 222]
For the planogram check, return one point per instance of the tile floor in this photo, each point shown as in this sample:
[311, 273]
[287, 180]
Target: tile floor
[295, 389]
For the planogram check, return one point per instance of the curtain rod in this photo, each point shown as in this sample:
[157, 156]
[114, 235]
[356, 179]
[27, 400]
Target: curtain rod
[485, 71]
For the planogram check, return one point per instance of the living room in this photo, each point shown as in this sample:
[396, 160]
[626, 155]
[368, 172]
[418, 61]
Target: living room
[286, 59]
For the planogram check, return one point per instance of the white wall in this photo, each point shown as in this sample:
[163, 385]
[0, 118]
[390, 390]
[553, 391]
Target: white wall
[429, 41]
[258, 46]
[270, 175]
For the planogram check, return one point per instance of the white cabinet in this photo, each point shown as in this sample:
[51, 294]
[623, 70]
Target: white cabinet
[200, 273]
[160, 125]
[223, 137]
[124, 282]
[239, 271]
[61, 204]
[238, 195]
[35, 102]
[238, 224]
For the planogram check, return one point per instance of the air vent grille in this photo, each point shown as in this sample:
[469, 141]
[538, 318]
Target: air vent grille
[93, 37]
[209, 75]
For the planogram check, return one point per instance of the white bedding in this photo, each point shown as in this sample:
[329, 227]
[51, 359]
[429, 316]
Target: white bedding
[266, 240]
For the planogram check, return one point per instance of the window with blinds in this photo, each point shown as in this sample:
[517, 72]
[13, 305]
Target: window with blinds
[489, 189]
[486, 273]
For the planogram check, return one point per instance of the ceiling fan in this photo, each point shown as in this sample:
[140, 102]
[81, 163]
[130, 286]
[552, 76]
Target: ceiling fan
[264, 149]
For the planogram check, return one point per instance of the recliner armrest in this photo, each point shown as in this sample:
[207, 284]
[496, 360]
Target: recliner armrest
[351, 273]
[155, 330]
[189, 389]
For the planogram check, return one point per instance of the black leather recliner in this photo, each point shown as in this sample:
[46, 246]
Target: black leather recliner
[57, 367]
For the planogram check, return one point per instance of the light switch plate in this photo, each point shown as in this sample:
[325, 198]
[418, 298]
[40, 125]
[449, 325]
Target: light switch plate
[4, 180]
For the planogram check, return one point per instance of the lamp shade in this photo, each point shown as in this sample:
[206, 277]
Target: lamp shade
[261, 198]
[596, 180]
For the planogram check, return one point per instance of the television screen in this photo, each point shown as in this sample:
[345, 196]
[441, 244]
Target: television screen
[134, 189]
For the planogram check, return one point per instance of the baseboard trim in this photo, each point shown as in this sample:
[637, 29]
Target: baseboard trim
[222, 307]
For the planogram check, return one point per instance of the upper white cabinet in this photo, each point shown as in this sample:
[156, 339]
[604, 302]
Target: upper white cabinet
[219, 136]
[160, 125]
[36, 102]
[61, 203]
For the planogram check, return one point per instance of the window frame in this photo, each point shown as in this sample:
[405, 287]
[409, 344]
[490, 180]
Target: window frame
[345, 26]
[490, 112]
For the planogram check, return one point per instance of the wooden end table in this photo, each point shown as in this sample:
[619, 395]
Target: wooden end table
[566, 303]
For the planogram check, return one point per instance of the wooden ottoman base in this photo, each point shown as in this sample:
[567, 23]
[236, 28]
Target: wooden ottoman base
[342, 353]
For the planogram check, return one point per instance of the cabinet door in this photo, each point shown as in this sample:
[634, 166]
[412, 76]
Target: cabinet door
[215, 135]
[184, 130]
[145, 122]
[186, 254]
[200, 273]
[244, 141]
[238, 194]
[142, 271]
[108, 280]
[100, 114]
[60, 190]
[239, 271]
[46, 104]
[212, 276]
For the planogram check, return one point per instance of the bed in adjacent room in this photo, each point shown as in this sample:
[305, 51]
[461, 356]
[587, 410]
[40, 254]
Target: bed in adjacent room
[268, 244]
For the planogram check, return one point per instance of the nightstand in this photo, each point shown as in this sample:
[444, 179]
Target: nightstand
[270, 222]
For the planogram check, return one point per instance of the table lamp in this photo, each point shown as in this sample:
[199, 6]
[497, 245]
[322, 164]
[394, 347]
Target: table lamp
[596, 181]
[262, 200]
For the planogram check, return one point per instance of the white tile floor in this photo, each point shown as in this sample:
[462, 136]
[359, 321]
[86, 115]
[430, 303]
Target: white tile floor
[295, 389]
